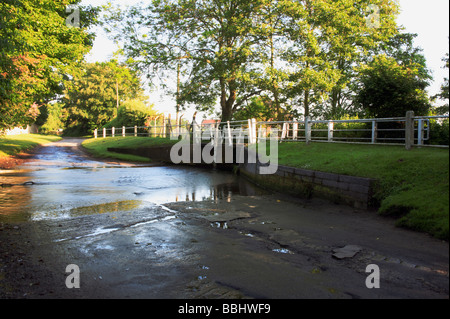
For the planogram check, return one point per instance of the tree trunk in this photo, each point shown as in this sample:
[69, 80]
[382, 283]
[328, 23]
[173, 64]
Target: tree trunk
[274, 81]
[117, 95]
[334, 103]
[306, 102]
[227, 103]
[227, 107]
[178, 92]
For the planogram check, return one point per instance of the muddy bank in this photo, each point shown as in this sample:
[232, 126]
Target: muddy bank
[249, 247]
[10, 162]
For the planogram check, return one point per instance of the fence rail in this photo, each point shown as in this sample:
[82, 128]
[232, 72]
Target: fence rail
[409, 130]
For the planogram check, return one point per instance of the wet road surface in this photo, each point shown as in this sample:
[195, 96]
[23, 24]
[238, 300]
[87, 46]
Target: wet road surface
[139, 231]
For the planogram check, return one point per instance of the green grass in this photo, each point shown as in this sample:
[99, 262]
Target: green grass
[98, 147]
[11, 145]
[412, 186]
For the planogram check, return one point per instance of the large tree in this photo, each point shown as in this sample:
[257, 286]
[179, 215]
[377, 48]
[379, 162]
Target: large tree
[229, 51]
[93, 94]
[215, 43]
[389, 89]
[394, 79]
[38, 49]
[328, 39]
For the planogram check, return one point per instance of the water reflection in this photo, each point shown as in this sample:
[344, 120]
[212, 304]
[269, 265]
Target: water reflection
[61, 212]
[15, 195]
[223, 191]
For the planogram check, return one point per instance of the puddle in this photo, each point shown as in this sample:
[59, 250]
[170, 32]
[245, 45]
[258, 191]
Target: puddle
[86, 210]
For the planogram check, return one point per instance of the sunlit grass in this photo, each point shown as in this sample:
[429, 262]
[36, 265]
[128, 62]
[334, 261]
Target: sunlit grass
[99, 146]
[13, 144]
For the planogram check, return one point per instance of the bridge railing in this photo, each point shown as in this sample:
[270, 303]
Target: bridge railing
[409, 130]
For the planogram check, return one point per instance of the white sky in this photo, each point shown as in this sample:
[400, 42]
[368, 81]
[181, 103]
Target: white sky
[429, 19]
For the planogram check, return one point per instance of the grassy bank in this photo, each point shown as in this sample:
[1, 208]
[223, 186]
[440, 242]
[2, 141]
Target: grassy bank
[98, 147]
[413, 186]
[11, 145]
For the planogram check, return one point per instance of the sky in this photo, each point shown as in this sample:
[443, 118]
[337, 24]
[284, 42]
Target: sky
[428, 19]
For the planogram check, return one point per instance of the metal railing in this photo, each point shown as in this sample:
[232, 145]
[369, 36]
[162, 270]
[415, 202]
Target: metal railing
[409, 130]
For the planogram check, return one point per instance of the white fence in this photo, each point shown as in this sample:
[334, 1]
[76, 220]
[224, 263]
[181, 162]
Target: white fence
[409, 130]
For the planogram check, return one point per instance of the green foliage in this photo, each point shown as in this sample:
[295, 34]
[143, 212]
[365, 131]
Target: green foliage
[213, 42]
[229, 51]
[439, 132]
[260, 108]
[51, 118]
[91, 97]
[388, 89]
[132, 113]
[38, 49]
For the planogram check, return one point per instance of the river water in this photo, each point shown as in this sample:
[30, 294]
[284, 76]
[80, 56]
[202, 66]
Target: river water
[62, 183]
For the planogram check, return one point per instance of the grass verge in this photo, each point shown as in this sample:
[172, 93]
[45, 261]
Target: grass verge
[11, 145]
[99, 146]
[413, 186]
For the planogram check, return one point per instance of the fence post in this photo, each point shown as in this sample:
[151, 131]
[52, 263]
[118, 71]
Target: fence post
[254, 131]
[113, 131]
[409, 130]
[150, 134]
[95, 133]
[249, 131]
[104, 132]
[420, 132]
[250, 138]
[374, 132]
[284, 131]
[123, 131]
[307, 130]
[330, 131]
[230, 137]
[261, 133]
[294, 131]
[135, 130]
